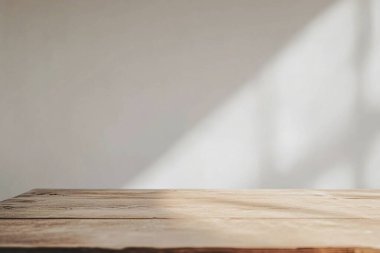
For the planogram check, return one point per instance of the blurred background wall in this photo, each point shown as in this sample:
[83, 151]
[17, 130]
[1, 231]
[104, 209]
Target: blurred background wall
[189, 94]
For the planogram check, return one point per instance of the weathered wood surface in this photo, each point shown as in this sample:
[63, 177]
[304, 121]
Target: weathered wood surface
[46, 220]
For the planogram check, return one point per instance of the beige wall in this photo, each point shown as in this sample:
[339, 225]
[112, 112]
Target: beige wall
[192, 93]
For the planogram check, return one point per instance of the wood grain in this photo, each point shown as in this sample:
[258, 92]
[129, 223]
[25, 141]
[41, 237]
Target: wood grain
[47, 220]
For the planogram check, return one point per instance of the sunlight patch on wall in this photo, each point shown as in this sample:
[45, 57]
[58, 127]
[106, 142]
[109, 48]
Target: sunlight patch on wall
[294, 125]
[313, 84]
[218, 151]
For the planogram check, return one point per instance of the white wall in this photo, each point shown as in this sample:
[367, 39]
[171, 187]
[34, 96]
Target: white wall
[175, 93]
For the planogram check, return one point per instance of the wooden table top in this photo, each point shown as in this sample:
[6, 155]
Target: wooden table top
[47, 220]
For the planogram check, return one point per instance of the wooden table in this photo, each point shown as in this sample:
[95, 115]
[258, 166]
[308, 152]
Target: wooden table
[292, 221]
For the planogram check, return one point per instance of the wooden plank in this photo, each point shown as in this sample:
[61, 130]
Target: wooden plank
[168, 233]
[191, 221]
[189, 203]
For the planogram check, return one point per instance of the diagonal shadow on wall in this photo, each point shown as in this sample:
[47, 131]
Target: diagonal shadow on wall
[104, 89]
